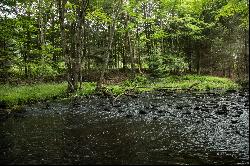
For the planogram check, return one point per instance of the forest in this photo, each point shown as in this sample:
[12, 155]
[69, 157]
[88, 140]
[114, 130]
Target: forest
[83, 40]
[124, 82]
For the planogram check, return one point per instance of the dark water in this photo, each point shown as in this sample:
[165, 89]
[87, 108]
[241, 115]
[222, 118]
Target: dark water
[153, 128]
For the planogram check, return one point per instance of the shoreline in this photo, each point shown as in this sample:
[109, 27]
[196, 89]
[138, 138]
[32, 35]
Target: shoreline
[18, 96]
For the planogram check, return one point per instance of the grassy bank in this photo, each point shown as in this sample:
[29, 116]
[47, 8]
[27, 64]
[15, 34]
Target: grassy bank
[18, 95]
[177, 83]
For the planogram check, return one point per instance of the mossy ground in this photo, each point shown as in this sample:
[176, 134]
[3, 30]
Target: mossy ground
[18, 95]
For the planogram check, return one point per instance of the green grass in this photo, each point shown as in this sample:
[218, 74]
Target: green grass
[192, 82]
[18, 95]
[197, 82]
[88, 88]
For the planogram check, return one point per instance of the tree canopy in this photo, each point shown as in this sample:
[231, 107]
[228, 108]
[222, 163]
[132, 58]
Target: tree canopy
[67, 38]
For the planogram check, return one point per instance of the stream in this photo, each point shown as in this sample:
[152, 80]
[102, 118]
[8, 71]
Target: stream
[149, 128]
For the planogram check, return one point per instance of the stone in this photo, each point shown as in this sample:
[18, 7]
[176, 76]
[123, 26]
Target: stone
[142, 112]
[205, 109]
[129, 116]
[179, 107]
[222, 111]
[198, 121]
[3, 104]
[106, 109]
[187, 112]
[216, 106]
[160, 111]
[120, 111]
[117, 105]
[231, 91]
[235, 115]
[155, 118]
[196, 108]
[4, 114]
[224, 107]
[239, 112]
[18, 109]
[234, 120]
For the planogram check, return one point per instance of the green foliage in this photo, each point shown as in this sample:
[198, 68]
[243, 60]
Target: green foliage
[139, 80]
[164, 64]
[200, 83]
[116, 89]
[163, 36]
[99, 16]
[87, 88]
[18, 95]
[42, 70]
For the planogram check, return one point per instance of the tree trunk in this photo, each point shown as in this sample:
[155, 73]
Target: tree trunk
[61, 5]
[246, 54]
[138, 50]
[198, 67]
[110, 42]
[129, 47]
[107, 53]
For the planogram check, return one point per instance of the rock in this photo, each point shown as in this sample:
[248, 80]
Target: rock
[18, 109]
[214, 117]
[155, 118]
[205, 109]
[46, 106]
[106, 109]
[58, 113]
[239, 112]
[179, 107]
[160, 111]
[222, 111]
[150, 106]
[142, 112]
[117, 105]
[216, 106]
[197, 108]
[235, 115]
[224, 107]
[3, 114]
[231, 91]
[198, 121]
[187, 112]
[76, 103]
[234, 120]
[120, 111]
[129, 116]
[102, 104]
[241, 94]
[3, 104]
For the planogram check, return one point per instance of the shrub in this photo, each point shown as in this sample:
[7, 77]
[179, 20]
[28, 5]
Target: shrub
[162, 64]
